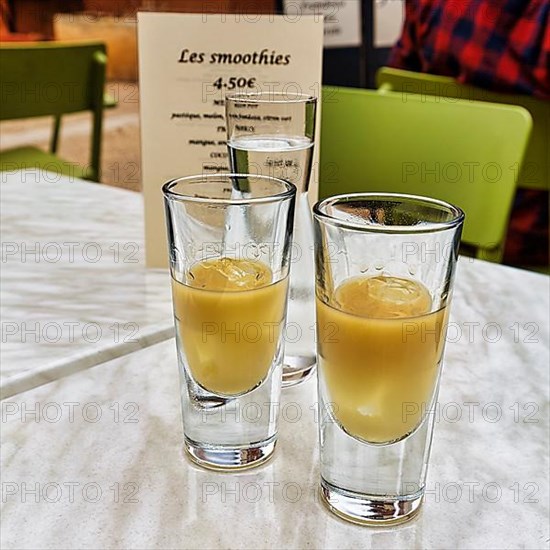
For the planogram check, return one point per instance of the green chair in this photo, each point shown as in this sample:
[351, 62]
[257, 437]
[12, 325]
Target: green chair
[460, 152]
[535, 173]
[53, 79]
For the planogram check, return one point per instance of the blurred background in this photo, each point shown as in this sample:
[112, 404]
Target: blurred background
[355, 48]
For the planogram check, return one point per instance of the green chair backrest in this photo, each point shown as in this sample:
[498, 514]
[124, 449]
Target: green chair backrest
[50, 78]
[535, 173]
[54, 78]
[459, 152]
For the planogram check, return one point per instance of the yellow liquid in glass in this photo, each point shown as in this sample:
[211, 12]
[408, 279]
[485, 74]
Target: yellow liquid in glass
[380, 349]
[229, 317]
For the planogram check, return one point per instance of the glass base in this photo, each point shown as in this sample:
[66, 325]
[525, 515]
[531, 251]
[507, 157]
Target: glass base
[371, 511]
[226, 458]
[297, 369]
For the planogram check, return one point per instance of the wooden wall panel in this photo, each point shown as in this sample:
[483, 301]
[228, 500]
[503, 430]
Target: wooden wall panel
[36, 16]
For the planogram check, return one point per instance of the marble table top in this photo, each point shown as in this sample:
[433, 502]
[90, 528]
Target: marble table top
[94, 460]
[74, 288]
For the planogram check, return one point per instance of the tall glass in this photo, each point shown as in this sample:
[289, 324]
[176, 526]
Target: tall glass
[272, 134]
[385, 266]
[229, 242]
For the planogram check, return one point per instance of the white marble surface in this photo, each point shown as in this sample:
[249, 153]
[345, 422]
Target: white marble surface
[74, 288]
[162, 501]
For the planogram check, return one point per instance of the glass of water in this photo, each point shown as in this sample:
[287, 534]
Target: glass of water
[272, 134]
[385, 271]
[229, 240]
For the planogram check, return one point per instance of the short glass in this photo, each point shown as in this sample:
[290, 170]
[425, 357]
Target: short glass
[229, 240]
[273, 134]
[385, 265]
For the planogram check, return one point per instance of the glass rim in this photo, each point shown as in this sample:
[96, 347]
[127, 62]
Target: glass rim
[319, 212]
[270, 97]
[170, 194]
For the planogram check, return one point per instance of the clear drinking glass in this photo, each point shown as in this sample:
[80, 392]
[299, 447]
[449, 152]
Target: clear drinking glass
[273, 134]
[385, 265]
[229, 240]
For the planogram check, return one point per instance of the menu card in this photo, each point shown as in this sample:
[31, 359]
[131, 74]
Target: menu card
[188, 63]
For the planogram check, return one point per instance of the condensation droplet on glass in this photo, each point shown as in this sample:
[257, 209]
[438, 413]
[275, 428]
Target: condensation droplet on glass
[412, 270]
[379, 265]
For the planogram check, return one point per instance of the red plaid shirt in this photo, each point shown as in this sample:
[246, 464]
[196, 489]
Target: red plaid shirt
[501, 45]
